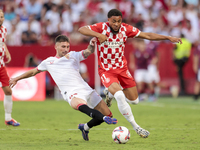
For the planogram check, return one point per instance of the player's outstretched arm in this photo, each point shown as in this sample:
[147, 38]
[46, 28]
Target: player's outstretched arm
[158, 37]
[86, 31]
[30, 73]
[90, 49]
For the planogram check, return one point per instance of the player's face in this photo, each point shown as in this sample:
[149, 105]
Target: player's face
[62, 48]
[115, 23]
[1, 18]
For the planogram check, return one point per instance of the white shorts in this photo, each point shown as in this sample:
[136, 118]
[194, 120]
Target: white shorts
[153, 74]
[141, 75]
[91, 97]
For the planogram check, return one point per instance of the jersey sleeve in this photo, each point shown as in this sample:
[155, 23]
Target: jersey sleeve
[42, 66]
[78, 55]
[96, 27]
[131, 31]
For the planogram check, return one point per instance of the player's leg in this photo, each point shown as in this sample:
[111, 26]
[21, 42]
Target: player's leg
[109, 97]
[131, 96]
[115, 89]
[196, 90]
[123, 106]
[81, 105]
[98, 117]
[197, 86]
[103, 108]
[140, 79]
[8, 103]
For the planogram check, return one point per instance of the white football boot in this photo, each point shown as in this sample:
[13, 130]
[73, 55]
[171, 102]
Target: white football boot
[108, 99]
[142, 132]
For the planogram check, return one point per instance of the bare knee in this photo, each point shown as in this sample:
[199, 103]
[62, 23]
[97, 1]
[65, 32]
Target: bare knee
[103, 108]
[76, 102]
[7, 90]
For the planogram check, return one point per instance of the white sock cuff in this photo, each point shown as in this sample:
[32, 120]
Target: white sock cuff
[118, 93]
[86, 128]
[136, 101]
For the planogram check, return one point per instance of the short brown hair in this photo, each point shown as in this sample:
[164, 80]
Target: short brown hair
[61, 38]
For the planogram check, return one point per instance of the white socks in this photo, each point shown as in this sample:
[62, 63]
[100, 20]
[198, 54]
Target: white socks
[8, 103]
[133, 102]
[124, 108]
[86, 128]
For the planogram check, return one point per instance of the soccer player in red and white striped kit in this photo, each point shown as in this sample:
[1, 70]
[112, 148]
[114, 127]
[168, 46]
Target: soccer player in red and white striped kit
[112, 64]
[4, 79]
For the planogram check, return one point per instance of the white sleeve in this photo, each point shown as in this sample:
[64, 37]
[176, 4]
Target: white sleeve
[79, 55]
[42, 66]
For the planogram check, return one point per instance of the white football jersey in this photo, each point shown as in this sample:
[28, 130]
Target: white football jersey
[65, 73]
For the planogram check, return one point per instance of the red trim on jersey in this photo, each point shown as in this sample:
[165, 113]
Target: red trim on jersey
[57, 57]
[82, 54]
[38, 69]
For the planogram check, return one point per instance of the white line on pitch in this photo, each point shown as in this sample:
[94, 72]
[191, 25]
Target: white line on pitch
[4, 129]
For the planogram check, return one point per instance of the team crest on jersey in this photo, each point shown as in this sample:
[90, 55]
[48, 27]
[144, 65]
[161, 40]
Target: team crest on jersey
[120, 35]
[67, 56]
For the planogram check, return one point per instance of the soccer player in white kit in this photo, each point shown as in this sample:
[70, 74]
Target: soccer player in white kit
[64, 69]
[112, 64]
[4, 78]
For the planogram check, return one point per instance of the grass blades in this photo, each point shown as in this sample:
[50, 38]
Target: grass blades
[174, 124]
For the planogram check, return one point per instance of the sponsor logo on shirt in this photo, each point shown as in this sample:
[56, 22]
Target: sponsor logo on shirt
[113, 44]
[51, 62]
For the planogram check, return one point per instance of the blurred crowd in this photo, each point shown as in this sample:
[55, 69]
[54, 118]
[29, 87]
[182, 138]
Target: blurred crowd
[40, 21]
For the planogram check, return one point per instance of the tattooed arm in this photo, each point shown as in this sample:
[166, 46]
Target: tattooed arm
[90, 49]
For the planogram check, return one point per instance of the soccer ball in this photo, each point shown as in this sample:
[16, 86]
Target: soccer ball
[121, 135]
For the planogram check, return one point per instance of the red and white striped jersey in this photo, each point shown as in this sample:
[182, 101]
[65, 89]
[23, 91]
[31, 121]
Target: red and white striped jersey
[3, 33]
[111, 52]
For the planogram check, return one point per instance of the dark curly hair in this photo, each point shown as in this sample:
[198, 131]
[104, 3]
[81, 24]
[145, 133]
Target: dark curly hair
[114, 12]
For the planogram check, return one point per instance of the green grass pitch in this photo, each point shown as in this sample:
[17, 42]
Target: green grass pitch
[174, 124]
